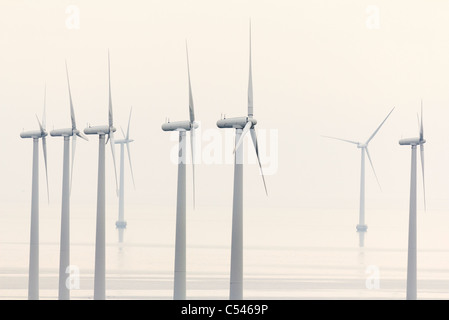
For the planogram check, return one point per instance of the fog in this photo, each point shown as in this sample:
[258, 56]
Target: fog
[319, 68]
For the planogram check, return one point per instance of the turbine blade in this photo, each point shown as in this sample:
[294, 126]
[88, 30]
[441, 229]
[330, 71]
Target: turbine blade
[40, 125]
[372, 166]
[44, 115]
[82, 136]
[44, 149]
[374, 133]
[111, 137]
[110, 97]
[123, 133]
[421, 129]
[72, 112]
[244, 132]
[130, 164]
[73, 161]
[191, 108]
[129, 121]
[250, 80]
[350, 141]
[256, 147]
[192, 145]
[423, 180]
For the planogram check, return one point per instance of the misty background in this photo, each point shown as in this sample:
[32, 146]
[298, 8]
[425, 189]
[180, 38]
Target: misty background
[318, 69]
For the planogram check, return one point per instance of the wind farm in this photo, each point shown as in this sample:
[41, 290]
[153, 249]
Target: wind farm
[260, 205]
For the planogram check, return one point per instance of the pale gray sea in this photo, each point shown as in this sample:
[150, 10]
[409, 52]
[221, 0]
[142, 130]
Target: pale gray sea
[288, 253]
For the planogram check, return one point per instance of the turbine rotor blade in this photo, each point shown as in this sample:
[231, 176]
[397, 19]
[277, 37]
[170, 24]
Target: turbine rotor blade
[192, 145]
[421, 129]
[40, 125]
[73, 161]
[244, 132]
[82, 135]
[375, 132]
[130, 165]
[372, 166]
[250, 80]
[111, 137]
[191, 107]
[423, 180]
[350, 141]
[44, 115]
[129, 121]
[72, 112]
[110, 97]
[256, 147]
[44, 149]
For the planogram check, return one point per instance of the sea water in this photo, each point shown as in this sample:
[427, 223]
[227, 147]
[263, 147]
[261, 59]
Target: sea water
[289, 253]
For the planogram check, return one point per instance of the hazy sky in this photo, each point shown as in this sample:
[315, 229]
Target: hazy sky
[319, 68]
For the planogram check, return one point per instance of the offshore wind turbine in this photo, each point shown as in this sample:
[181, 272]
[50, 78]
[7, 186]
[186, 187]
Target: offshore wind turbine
[100, 233]
[363, 146]
[412, 227]
[179, 288]
[241, 125]
[64, 255]
[121, 223]
[33, 271]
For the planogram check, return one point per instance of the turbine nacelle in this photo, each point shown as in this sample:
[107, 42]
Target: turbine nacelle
[236, 123]
[99, 130]
[179, 125]
[33, 134]
[123, 141]
[362, 145]
[412, 141]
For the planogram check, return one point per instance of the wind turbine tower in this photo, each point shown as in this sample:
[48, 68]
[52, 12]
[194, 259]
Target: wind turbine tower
[33, 271]
[100, 235]
[121, 223]
[241, 125]
[412, 228]
[179, 288]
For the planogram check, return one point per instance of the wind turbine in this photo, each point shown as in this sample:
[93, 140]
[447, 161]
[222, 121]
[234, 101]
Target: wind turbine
[362, 227]
[64, 257]
[121, 223]
[33, 271]
[412, 228]
[100, 257]
[241, 125]
[179, 289]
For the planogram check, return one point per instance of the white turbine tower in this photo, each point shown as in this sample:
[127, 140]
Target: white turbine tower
[121, 223]
[241, 125]
[412, 227]
[67, 174]
[33, 271]
[362, 227]
[100, 236]
[179, 288]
